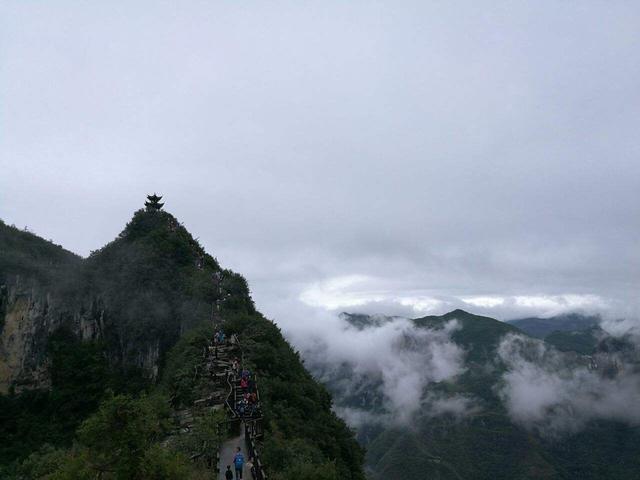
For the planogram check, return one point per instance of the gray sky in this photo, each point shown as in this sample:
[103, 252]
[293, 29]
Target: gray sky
[398, 157]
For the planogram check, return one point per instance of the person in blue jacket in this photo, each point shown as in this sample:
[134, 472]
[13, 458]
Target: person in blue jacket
[238, 462]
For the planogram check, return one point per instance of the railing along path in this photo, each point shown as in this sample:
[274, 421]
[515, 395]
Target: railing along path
[220, 387]
[252, 421]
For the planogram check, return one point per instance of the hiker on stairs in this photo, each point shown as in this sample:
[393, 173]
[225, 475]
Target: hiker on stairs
[238, 462]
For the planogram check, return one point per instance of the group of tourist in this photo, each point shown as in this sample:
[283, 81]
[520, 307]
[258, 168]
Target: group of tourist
[248, 405]
[219, 339]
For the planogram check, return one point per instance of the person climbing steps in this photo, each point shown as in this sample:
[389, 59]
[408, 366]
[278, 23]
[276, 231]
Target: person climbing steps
[238, 462]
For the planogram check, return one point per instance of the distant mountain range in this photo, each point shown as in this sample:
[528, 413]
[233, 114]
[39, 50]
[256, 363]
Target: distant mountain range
[466, 427]
[569, 322]
[568, 332]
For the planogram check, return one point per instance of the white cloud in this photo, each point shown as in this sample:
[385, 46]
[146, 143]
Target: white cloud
[487, 302]
[348, 291]
[549, 305]
[458, 406]
[420, 304]
[394, 358]
[340, 292]
[369, 294]
[357, 418]
[556, 393]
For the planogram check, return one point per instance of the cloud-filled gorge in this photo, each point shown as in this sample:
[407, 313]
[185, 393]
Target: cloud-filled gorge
[558, 393]
[388, 371]
[380, 371]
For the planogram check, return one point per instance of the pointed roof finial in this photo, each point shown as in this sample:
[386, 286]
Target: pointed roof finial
[153, 202]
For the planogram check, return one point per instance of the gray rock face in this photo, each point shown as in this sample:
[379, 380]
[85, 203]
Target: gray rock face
[27, 319]
[136, 295]
[29, 314]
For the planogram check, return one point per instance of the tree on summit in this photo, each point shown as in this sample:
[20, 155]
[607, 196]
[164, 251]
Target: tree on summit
[153, 203]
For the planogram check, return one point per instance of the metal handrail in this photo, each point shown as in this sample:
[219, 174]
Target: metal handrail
[258, 470]
[253, 427]
[231, 394]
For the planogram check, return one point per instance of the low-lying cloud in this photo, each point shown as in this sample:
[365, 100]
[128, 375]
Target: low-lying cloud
[383, 370]
[385, 367]
[556, 393]
[376, 295]
[457, 406]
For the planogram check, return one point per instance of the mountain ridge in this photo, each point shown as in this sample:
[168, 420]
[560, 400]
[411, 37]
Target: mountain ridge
[541, 327]
[112, 321]
[459, 413]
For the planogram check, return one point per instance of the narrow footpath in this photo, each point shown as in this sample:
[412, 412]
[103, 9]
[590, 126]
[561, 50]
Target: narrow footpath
[244, 408]
[227, 452]
[224, 383]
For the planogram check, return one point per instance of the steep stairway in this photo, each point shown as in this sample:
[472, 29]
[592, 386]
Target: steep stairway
[219, 376]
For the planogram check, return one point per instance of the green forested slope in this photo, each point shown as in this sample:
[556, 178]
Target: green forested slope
[24, 253]
[568, 322]
[149, 294]
[485, 443]
[305, 438]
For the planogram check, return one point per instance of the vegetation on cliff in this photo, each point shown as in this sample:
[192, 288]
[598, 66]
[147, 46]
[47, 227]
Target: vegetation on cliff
[305, 438]
[24, 253]
[473, 434]
[146, 299]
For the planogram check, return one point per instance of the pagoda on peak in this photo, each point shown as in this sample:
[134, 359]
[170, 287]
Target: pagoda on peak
[153, 203]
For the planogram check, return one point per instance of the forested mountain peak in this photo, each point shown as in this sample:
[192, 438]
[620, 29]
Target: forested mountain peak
[478, 334]
[83, 338]
[163, 235]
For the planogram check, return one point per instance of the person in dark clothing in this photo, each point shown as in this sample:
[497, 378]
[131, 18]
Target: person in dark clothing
[228, 474]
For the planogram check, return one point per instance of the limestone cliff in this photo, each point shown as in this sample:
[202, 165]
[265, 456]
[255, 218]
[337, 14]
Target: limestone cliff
[31, 270]
[136, 296]
[29, 314]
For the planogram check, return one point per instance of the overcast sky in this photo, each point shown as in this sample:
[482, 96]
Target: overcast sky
[398, 157]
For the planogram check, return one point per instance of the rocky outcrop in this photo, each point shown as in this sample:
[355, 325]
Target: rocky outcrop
[136, 295]
[26, 320]
[29, 314]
